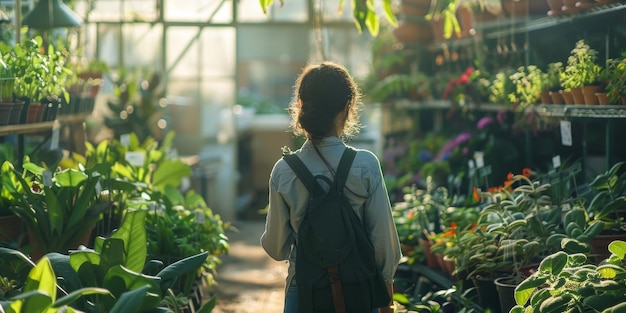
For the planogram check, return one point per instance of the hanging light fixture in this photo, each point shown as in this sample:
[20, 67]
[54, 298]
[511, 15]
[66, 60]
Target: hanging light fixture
[51, 14]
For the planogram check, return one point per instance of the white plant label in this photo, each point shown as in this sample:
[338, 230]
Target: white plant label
[54, 140]
[125, 140]
[199, 218]
[478, 156]
[556, 161]
[46, 177]
[566, 133]
[135, 158]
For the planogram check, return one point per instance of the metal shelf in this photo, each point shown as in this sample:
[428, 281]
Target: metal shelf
[582, 111]
[535, 24]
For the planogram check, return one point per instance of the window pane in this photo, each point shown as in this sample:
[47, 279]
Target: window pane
[210, 54]
[108, 44]
[270, 58]
[104, 10]
[291, 10]
[215, 11]
[140, 10]
[142, 45]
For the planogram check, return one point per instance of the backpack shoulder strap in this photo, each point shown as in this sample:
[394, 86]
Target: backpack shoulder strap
[344, 168]
[301, 171]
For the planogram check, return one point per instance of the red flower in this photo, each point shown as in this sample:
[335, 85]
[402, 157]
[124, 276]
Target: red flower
[526, 172]
[476, 195]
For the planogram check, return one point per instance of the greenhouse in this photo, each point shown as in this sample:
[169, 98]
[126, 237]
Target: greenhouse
[143, 148]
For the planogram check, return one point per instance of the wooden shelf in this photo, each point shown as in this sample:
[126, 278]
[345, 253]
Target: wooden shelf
[28, 128]
[34, 128]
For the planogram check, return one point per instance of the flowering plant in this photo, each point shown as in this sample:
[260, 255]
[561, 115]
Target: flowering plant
[456, 88]
[616, 80]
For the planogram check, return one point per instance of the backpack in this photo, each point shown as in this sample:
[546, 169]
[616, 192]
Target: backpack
[336, 269]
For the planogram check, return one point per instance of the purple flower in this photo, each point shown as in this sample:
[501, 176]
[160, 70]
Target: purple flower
[465, 151]
[446, 155]
[501, 115]
[462, 138]
[425, 156]
[484, 122]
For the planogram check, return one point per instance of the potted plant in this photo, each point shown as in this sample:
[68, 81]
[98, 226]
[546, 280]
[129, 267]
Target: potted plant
[59, 208]
[529, 81]
[608, 205]
[616, 81]
[581, 71]
[414, 86]
[108, 278]
[501, 86]
[566, 282]
[181, 225]
[553, 82]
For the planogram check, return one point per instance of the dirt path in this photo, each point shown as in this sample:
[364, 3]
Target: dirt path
[248, 279]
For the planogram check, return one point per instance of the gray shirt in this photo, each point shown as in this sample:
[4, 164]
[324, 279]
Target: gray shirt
[288, 199]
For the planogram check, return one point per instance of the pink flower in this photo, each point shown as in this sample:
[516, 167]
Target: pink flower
[484, 122]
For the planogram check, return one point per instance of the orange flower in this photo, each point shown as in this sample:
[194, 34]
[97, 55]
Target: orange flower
[449, 233]
[526, 172]
[453, 225]
[476, 195]
[509, 176]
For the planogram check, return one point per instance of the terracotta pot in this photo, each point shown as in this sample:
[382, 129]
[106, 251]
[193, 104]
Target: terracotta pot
[522, 8]
[5, 113]
[16, 112]
[577, 93]
[603, 98]
[569, 6]
[35, 112]
[545, 97]
[567, 96]
[589, 94]
[465, 17]
[555, 7]
[437, 29]
[600, 243]
[450, 266]
[10, 228]
[557, 97]
[431, 259]
[413, 32]
[414, 8]
[38, 251]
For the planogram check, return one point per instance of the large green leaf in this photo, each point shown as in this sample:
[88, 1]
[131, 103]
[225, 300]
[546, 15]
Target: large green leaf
[35, 301]
[181, 267]
[130, 301]
[63, 269]
[133, 232]
[618, 247]
[86, 264]
[119, 280]
[75, 295]
[554, 263]
[170, 172]
[42, 278]
[208, 306]
[70, 177]
[525, 289]
[56, 216]
[112, 253]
